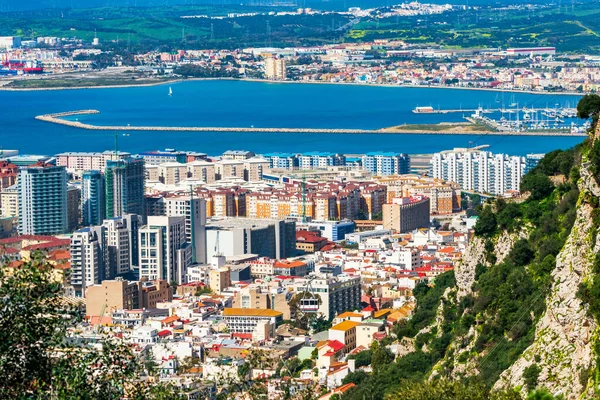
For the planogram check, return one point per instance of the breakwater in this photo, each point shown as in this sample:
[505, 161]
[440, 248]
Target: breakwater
[57, 118]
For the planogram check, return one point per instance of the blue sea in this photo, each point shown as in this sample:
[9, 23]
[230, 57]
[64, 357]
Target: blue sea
[260, 104]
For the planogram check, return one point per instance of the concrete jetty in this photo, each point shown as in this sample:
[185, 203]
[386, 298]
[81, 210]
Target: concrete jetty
[57, 118]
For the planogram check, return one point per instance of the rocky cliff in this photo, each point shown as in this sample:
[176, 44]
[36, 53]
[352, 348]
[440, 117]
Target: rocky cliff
[562, 350]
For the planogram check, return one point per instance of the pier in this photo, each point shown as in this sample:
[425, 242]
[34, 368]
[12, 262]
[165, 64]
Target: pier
[57, 118]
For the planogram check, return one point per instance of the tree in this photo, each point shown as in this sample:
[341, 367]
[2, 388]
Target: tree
[539, 185]
[486, 222]
[36, 358]
[589, 107]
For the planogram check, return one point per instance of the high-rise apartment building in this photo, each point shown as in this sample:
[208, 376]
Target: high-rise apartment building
[164, 251]
[93, 204]
[43, 208]
[275, 68]
[381, 163]
[482, 171]
[121, 241]
[124, 187]
[405, 214]
[195, 222]
[87, 258]
[73, 207]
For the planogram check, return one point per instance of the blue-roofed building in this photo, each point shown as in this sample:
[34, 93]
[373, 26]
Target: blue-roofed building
[287, 161]
[386, 163]
[315, 160]
[162, 157]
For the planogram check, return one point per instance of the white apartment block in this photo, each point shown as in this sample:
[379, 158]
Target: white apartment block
[164, 252]
[78, 162]
[338, 294]
[479, 171]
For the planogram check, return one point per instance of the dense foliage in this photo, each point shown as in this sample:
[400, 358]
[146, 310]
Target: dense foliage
[37, 361]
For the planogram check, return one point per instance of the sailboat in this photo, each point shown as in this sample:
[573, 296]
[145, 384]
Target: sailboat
[513, 103]
[170, 91]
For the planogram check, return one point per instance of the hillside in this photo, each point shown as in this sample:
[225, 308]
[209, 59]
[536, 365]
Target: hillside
[520, 313]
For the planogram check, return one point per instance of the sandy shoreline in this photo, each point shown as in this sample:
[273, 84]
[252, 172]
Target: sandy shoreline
[134, 85]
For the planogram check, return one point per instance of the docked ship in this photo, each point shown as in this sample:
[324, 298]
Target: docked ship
[24, 66]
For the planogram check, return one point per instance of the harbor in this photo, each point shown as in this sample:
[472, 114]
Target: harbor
[58, 118]
[509, 120]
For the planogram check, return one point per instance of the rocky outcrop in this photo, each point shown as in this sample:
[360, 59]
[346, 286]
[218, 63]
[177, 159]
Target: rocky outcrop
[562, 347]
[464, 272]
[475, 254]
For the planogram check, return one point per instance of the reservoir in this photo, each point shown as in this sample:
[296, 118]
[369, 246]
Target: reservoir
[222, 103]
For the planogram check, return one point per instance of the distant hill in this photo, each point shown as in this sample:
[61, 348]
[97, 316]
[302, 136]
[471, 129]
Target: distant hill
[20, 5]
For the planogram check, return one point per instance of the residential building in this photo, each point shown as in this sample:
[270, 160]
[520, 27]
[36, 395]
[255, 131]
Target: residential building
[121, 241]
[93, 203]
[260, 323]
[164, 252]
[219, 278]
[332, 230]
[405, 214]
[112, 295]
[161, 157]
[382, 163]
[367, 330]
[275, 68]
[254, 169]
[124, 180]
[345, 332]
[8, 174]
[337, 294]
[271, 238]
[239, 155]
[87, 259]
[195, 222]
[77, 162]
[482, 171]
[202, 170]
[9, 201]
[255, 297]
[43, 208]
[73, 207]
[320, 160]
[288, 161]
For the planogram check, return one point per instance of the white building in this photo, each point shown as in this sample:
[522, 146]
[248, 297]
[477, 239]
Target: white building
[10, 42]
[480, 171]
[164, 252]
[77, 162]
[337, 294]
[87, 258]
[195, 222]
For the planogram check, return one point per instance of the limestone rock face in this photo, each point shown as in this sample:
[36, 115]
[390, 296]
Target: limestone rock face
[562, 347]
[464, 272]
[475, 254]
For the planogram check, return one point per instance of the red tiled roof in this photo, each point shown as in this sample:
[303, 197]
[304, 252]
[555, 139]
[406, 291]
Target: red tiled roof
[164, 333]
[335, 345]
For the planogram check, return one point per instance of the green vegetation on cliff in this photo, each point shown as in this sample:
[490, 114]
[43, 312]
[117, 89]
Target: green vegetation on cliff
[466, 343]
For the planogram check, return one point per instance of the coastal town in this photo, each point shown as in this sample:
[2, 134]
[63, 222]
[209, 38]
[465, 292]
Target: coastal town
[287, 270]
[382, 62]
[299, 200]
